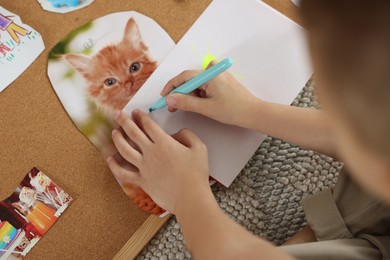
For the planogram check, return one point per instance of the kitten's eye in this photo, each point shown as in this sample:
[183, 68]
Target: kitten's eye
[135, 67]
[109, 82]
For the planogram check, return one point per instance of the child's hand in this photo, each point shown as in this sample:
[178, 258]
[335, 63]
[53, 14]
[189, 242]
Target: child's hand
[223, 98]
[172, 169]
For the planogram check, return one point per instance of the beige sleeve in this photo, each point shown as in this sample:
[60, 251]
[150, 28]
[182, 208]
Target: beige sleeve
[345, 249]
[324, 218]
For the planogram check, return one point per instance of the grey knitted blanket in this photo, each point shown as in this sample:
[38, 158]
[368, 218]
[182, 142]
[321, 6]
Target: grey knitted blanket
[266, 196]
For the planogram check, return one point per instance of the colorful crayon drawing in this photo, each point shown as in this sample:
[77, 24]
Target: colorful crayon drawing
[20, 45]
[63, 6]
[59, 3]
[6, 24]
[4, 49]
[29, 213]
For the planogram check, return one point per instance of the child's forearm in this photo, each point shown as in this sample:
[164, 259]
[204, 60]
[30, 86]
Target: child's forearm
[305, 127]
[210, 234]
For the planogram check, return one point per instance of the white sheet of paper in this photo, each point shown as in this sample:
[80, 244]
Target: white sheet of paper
[20, 45]
[271, 60]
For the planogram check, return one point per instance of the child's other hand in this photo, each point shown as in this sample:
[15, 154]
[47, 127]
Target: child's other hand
[173, 170]
[223, 99]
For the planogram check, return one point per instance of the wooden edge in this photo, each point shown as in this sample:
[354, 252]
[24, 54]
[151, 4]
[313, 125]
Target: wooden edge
[141, 237]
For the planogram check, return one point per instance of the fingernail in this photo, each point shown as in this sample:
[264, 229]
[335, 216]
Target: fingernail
[114, 131]
[171, 101]
[109, 159]
[117, 114]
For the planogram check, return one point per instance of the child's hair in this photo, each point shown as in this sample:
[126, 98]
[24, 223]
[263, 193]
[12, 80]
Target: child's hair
[350, 43]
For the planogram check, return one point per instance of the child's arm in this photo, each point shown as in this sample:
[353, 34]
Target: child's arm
[173, 170]
[305, 127]
[226, 100]
[210, 234]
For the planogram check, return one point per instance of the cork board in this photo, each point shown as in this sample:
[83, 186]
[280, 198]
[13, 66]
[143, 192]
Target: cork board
[36, 131]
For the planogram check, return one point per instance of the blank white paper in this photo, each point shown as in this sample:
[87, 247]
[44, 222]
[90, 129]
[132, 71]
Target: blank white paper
[271, 60]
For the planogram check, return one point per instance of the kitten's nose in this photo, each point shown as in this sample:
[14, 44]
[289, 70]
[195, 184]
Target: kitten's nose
[128, 85]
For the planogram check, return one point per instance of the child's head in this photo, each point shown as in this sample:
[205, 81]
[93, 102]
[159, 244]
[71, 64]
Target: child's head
[350, 46]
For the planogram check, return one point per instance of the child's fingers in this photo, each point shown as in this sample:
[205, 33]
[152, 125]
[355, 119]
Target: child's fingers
[122, 174]
[125, 149]
[123, 163]
[134, 145]
[179, 80]
[188, 103]
[187, 138]
[212, 63]
[196, 93]
[150, 128]
[132, 130]
[179, 137]
[171, 109]
[182, 78]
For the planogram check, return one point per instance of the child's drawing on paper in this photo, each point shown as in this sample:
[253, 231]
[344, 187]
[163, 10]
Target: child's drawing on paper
[4, 49]
[29, 213]
[96, 70]
[64, 6]
[20, 45]
[14, 30]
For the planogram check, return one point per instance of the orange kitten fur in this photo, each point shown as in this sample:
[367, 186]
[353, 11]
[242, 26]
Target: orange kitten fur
[113, 76]
[142, 199]
[117, 71]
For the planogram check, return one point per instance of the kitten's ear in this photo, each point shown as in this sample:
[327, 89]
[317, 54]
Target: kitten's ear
[132, 35]
[80, 62]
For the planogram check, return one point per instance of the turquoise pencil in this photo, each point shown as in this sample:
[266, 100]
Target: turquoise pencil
[196, 82]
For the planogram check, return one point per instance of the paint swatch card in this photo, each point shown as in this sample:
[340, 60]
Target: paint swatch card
[20, 45]
[64, 6]
[29, 213]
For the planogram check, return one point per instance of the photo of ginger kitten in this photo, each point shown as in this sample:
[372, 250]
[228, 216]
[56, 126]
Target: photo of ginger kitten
[115, 74]
[98, 68]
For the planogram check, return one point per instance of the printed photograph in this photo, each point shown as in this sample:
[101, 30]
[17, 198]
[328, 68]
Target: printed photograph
[29, 213]
[98, 68]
